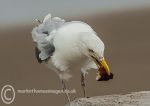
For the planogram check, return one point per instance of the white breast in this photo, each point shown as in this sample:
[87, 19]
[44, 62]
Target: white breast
[66, 44]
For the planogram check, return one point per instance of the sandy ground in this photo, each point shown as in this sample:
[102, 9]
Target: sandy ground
[127, 39]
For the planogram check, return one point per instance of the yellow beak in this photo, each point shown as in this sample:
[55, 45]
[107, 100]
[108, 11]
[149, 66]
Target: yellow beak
[103, 69]
[104, 65]
[104, 73]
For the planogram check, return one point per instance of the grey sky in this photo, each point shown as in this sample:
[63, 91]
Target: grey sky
[12, 11]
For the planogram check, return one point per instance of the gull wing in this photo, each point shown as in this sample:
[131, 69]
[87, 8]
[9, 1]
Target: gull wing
[43, 36]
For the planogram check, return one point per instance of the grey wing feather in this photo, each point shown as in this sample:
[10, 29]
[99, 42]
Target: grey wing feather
[43, 37]
[47, 54]
[44, 48]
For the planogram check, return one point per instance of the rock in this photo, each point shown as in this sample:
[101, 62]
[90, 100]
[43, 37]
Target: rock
[133, 99]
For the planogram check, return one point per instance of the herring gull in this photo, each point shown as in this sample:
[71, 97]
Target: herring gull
[61, 45]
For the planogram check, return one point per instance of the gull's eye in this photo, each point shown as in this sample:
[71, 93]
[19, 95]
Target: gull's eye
[90, 50]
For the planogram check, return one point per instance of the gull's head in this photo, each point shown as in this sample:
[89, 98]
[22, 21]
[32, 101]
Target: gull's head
[94, 49]
[104, 73]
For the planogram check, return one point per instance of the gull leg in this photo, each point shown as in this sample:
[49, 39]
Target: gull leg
[64, 89]
[83, 83]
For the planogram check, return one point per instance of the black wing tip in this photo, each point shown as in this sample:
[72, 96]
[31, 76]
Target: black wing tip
[37, 52]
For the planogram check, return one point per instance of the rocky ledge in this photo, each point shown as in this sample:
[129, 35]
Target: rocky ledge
[133, 99]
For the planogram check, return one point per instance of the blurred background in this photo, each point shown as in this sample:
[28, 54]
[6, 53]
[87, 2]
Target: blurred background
[123, 25]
